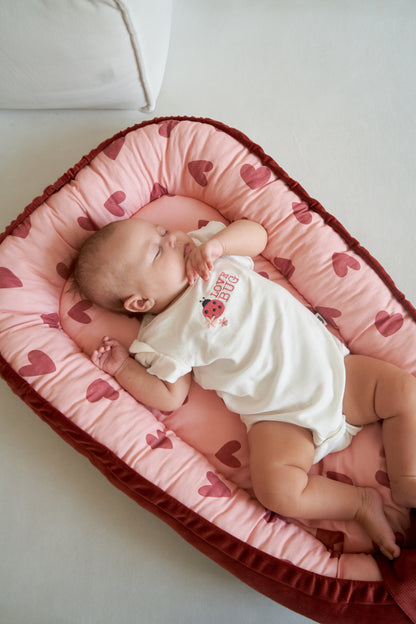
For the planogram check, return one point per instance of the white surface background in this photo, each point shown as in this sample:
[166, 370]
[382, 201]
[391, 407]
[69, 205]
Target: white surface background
[328, 89]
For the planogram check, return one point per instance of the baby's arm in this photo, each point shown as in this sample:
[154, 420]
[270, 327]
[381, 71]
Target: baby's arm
[240, 238]
[114, 359]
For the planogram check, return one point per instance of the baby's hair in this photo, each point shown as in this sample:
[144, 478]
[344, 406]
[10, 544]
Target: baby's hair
[92, 277]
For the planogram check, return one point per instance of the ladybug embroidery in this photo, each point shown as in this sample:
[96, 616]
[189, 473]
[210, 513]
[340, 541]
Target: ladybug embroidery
[212, 309]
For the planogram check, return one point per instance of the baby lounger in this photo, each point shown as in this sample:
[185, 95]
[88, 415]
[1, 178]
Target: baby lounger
[190, 467]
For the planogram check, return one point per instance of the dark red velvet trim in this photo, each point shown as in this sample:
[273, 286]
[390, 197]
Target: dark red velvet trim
[324, 599]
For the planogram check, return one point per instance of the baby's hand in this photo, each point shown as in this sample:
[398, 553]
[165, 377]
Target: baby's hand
[200, 260]
[110, 355]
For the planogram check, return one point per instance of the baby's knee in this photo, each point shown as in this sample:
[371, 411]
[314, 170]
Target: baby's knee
[408, 389]
[403, 490]
[280, 490]
[404, 393]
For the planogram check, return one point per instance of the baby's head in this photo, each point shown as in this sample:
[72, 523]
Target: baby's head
[132, 266]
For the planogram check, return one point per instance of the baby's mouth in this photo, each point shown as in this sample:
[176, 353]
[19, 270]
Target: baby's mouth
[186, 250]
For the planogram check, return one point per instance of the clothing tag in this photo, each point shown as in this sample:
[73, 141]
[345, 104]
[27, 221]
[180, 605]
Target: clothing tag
[320, 318]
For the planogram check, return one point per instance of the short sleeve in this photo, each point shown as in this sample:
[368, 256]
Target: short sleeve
[207, 231]
[159, 364]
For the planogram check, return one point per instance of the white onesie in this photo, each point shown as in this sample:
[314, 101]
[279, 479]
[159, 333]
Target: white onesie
[252, 342]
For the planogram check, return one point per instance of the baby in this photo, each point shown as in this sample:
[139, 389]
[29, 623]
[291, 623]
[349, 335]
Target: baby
[299, 391]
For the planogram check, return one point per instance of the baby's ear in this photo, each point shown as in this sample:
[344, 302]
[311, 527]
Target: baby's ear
[135, 304]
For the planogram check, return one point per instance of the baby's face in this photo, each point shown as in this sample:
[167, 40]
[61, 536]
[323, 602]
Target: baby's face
[154, 260]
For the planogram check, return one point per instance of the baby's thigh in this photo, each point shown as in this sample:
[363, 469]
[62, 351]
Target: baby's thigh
[372, 389]
[273, 444]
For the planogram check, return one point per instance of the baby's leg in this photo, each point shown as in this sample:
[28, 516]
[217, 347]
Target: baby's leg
[281, 455]
[376, 390]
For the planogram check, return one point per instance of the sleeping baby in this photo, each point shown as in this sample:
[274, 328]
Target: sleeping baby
[298, 390]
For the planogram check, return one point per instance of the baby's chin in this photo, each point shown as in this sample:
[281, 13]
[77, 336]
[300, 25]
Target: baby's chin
[175, 298]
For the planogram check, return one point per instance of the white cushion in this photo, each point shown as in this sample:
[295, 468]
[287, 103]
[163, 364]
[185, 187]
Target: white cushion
[83, 53]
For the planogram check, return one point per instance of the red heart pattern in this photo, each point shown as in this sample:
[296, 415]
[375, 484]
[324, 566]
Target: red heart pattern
[255, 178]
[63, 271]
[302, 212]
[333, 540]
[329, 315]
[87, 224]
[77, 312]
[101, 389]
[215, 489]
[159, 441]
[387, 324]
[383, 478]
[341, 262]
[202, 223]
[112, 204]
[23, 229]
[285, 266]
[113, 150]
[226, 454]
[167, 126]
[8, 279]
[339, 476]
[198, 168]
[40, 364]
[158, 191]
[52, 320]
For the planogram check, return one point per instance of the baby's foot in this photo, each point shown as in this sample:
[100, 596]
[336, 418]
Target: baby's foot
[372, 518]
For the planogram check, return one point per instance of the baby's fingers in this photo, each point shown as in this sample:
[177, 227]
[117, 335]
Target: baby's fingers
[109, 342]
[96, 357]
[205, 272]
[191, 276]
[191, 273]
[202, 267]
